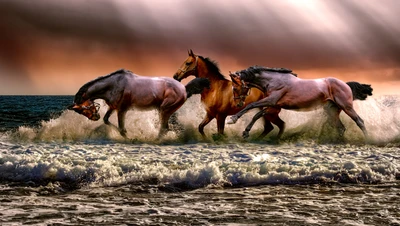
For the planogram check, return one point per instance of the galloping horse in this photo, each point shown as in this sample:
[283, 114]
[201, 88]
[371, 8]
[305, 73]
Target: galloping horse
[218, 100]
[284, 90]
[123, 89]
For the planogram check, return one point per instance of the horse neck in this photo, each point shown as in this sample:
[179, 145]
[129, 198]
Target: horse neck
[256, 85]
[98, 90]
[204, 72]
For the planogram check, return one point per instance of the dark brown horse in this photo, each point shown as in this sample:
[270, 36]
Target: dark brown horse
[284, 90]
[122, 90]
[218, 100]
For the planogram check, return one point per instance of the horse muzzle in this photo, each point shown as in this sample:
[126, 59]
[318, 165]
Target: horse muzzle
[95, 117]
[71, 107]
[176, 77]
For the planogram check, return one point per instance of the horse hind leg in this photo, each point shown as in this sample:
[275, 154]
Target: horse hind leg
[357, 119]
[267, 125]
[165, 115]
[174, 122]
[272, 115]
[333, 112]
[281, 125]
[166, 110]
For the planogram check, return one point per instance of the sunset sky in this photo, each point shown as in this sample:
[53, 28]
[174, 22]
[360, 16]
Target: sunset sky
[54, 47]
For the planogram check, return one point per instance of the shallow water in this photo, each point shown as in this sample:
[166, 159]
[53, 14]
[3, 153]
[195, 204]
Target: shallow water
[67, 170]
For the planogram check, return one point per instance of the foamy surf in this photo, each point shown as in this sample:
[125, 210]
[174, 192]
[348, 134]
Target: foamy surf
[196, 165]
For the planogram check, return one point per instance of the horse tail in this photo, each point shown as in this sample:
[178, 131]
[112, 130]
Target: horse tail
[196, 86]
[360, 91]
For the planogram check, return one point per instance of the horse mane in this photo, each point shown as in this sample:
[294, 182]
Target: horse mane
[250, 73]
[85, 87]
[213, 67]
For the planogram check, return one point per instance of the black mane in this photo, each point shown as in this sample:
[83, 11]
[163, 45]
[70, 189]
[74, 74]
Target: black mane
[249, 73]
[84, 88]
[213, 67]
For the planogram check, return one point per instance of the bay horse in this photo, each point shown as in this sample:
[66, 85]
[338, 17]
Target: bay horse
[219, 100]
[123, 90]
[284, 90]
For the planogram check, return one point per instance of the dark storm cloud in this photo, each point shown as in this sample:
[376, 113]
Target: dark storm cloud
[379, 40]
[282, 37]
[270, 33]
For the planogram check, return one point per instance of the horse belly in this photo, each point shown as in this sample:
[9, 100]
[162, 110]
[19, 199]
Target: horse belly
[145, 102]
[303, 103]
[303, 108]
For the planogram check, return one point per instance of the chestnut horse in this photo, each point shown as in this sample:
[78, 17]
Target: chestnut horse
[284, 90]
[122, 90]
[218, 100]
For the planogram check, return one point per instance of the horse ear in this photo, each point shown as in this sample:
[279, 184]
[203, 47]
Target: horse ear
[233, 78]
[73, 107]
[70, 107]
[191, 53]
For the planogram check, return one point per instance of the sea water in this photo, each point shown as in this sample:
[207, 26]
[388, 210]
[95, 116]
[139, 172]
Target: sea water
[59, 168]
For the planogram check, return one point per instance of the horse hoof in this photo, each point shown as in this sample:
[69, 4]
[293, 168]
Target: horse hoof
[232, 120]
[245, 134]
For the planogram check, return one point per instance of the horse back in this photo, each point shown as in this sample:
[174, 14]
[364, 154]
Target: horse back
[153, 91]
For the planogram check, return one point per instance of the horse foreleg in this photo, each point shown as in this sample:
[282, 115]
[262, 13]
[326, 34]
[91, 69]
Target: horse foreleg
[245, 133]
[221, 124]
[258, 104]
[107, 116]
[205, 121]
[121, 122]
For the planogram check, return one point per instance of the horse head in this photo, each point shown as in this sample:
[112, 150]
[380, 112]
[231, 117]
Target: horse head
[240, 89]
[88, 108]
[189, 67]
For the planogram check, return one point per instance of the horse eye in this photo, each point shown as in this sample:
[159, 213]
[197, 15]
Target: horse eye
[188, 63]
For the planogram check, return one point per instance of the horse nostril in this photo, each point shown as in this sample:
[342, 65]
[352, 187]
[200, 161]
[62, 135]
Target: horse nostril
[176, 77]
[95, 117]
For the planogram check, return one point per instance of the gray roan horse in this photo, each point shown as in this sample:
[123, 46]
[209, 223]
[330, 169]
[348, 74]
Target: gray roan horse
[122, 90]
[284, 90]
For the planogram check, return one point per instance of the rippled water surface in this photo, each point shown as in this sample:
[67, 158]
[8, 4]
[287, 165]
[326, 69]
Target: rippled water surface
[63, 169]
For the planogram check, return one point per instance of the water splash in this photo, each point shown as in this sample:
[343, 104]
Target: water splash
[380, 116]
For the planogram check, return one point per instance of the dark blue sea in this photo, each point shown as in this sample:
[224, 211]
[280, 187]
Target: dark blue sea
[59, 168]
[30, 111]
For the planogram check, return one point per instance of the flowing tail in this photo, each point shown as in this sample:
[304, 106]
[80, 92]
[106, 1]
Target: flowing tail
[360, 91]
[196, 86]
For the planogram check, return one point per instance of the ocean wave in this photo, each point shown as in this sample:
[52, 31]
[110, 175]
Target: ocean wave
[195, 166]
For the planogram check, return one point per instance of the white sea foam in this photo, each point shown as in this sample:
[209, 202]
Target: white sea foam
[197, 165]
